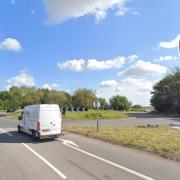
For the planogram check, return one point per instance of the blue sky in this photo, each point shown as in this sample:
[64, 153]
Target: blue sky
[114, 47]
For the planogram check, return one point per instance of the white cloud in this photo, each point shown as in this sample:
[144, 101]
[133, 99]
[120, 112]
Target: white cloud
[110, 84]
[22, 79]
[123, 10]
[52, 86]
[170, 44]
[165, 58]
[94, 64]
[143, 68]
[133, 58]
[73, 65]
[141, 85]
[10, 44]
[61, 10]
[136, 90]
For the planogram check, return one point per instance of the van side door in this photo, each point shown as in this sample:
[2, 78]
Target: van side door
[26, 115]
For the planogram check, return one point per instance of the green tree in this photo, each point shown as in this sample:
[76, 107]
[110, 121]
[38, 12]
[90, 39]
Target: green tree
[55, 97]
[103, 103]
[120, 103]
[4, 100]
[69, 99]
[19, 97]
[15, 99]
[84, 98]
[166, 93]
[29, 96]
[137, 106]
[43, 95]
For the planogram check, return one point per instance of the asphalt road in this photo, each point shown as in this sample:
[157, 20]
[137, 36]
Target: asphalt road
[76, 157]
[137, 119]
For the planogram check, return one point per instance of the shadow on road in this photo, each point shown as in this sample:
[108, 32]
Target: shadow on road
[19, 138]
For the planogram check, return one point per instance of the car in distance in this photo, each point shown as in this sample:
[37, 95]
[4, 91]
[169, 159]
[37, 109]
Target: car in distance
[41, 121]
[147, 110]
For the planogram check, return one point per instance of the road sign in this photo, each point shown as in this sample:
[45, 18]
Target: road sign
[96, 104]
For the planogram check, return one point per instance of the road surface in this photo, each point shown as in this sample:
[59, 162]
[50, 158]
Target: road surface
[76, 157]
[137, 119]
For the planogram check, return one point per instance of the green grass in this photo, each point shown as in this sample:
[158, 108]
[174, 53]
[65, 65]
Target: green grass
[13, 115]
[142, 109]
[163, 140]
[91, 115]
[137, 109]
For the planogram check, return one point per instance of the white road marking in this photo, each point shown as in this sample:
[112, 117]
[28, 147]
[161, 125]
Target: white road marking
[109, 162]
[12, 129]
[72, 145]
[45, 161]
[68, 142]
[9, 134]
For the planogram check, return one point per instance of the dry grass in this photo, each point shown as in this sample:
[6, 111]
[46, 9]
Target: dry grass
[163, 140]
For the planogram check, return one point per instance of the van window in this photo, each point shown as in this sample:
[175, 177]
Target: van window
[26, 113]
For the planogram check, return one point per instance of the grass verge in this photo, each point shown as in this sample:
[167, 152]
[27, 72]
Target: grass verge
[13, 115]
[92, 115]
[163, 140]
[89, 115]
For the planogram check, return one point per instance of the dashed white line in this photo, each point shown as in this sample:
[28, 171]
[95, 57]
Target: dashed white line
[12, 129]
[9, 134]
[85, 152]
[57, 171]
[46, 162]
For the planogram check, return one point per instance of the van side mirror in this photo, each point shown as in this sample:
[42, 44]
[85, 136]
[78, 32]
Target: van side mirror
[64, 112]
[20, 117]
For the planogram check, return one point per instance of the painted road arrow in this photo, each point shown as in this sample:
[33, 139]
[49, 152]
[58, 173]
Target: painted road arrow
[74, 146]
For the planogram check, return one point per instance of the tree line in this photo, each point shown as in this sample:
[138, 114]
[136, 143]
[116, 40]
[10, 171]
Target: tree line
[165, 97]
[166, 93]
[19, 97]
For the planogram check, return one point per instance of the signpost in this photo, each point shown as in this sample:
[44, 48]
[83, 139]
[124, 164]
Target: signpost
[96, 105]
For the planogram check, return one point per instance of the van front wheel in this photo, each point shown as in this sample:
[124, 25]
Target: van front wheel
[19, 129]
[34, 137]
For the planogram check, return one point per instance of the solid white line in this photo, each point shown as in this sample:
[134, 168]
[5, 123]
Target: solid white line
[112, 163]
[12, 129]
[45, 161]
[9, 134]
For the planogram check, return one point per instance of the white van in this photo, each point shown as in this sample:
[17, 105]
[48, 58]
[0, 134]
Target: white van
[41, 121]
